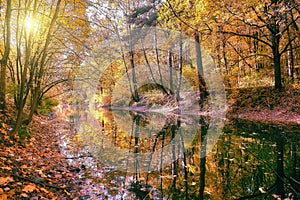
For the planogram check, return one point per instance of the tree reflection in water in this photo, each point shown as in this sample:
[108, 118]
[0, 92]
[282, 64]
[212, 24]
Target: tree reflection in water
[249, 161]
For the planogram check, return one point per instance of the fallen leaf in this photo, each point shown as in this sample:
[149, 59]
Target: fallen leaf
[23, 167]
[58, 176]
[41, 174]
[4, 125]
[3, 131]
[44, 190]
[67, 192]
[10, 193]
[29, 188]
[3, 197]
[4, 181]
[24, 195]
[1, 191]
[6, 168]
[150, 195]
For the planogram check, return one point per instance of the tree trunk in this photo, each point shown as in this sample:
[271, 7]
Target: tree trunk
[202, 85]
[157, 59]
[4, 59]
[41, 72]
[290, 57]
[135, 89]
[148, 64]
[170, 70]
[179, 72]
[276, 61]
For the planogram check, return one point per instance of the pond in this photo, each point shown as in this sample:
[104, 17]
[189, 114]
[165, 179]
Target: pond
[131, 155]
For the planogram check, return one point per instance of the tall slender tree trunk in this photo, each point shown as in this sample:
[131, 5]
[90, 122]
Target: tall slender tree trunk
[290, 57]
[132, 64]
[148, 64]
[274, 29]
[157, 59]
[4, 59]
[179, 72]
[37, 90]
[135, 89]
[276, 61]
[23, 92]
[170, 72]
[202, 85]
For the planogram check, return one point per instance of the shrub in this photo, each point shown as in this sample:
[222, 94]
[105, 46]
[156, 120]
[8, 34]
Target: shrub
[46, 106]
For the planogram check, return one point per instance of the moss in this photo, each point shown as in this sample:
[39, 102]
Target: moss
[23, 134]
[46, 106]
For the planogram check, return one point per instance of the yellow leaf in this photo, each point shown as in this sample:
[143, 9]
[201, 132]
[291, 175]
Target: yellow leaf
[6, 168]
[24, 195]
[150, 195]
[67, 192]
[11, 193]
[191, 169]
[44, 190]
[3, 131]
[41, 174]
[4, 181]
[4, 126]
[29, 188]
[23, 167]
[3, 197]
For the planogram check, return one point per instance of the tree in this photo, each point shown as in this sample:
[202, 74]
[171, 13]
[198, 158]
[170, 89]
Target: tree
[179, 15]
[46, 41]
[5, 55]
[36, 65]
[268, 19]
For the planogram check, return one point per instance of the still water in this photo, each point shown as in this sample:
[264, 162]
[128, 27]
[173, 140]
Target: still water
[132, 155]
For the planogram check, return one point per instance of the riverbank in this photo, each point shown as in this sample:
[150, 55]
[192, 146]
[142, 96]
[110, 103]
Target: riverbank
[262, 104]
[265, 104]
[33, 166]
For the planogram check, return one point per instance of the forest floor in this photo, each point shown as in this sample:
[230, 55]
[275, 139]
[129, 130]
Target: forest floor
[33, 166]
[265, 104]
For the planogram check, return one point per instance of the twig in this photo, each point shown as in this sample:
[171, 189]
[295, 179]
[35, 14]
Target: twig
[83, 156]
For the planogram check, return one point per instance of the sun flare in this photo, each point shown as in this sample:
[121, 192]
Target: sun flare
[30, 24]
